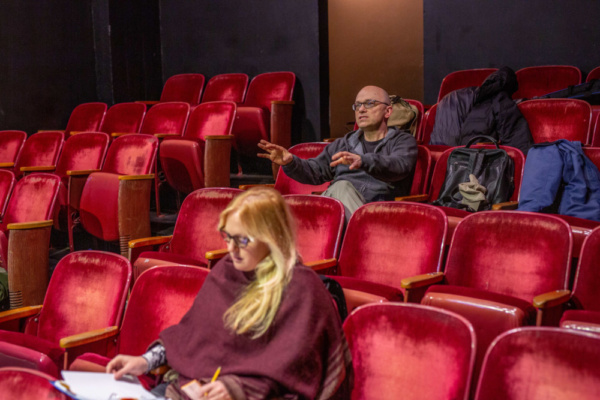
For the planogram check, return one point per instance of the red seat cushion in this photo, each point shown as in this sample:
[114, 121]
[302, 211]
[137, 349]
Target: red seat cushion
[582, 320]
[389, 292]
[19, 349]
[149, 259]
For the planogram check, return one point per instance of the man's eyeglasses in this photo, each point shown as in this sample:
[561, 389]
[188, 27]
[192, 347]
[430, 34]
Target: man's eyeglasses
[240, 241]
[368, 104]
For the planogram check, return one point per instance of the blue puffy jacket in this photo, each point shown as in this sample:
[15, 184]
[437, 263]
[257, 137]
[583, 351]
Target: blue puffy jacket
[562, 163]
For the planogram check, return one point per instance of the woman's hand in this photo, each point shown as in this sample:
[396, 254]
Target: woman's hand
[122, 364]
[212, 391]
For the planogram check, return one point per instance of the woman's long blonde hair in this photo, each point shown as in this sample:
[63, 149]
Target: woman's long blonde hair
[266, 217]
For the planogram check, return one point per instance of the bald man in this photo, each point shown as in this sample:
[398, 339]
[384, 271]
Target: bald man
[373, 163]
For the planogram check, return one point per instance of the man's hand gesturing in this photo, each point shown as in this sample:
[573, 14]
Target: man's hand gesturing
[345, 157]
[275, 153]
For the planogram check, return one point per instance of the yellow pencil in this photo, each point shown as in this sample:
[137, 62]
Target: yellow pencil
[216, 375]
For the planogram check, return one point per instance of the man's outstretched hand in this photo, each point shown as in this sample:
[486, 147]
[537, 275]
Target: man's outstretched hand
[277, 154]
[345, 157]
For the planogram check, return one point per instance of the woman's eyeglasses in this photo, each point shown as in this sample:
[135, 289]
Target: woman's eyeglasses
[240, 241]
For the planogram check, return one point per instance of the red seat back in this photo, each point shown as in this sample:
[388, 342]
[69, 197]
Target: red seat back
[594, 74]
[421, 112]
[83, 151]
[420, 182]
[541, 363]
[40, 149]
[24, 383]
[11, 143]
[409, 351]
[388, 241]
[226, 87]
[124, 118]
[462, 79]
[319, 223]
[585, 290]
[213, 118]
[428, 122]
[87, 291]
[268, 87]
[183, 87]
[166, 118]
[553, 119]
[540, 80]
[85, 117]
[493, 251]
[286, 185]
[148, 314]
[131, 155]
[7, 183]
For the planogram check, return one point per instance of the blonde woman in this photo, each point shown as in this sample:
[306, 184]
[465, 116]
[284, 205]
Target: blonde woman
[261, 316]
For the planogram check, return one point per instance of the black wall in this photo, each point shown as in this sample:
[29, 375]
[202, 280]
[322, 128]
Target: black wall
[478, 34]
[214, 37]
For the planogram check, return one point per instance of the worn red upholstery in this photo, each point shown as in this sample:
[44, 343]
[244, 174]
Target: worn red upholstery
[428, 122]
[319, 224]
[553, 119]
[28, 384]
[183, 160]
[388, 241]
[286, 185]
[421, 113]
[593, 74]
[194, 234]
[84, 151]
[87, 291]
[252, 121]
[183, 87]
[166, 118]
[595, 126]
[494, 270]
[408, 351]
[40, 149]
[462, 79]
[585, 296]
[114, 206]
[11, 143]
[541, 363]
[226, 87]
[123, 118]
[420, 182]
[85, 117]
[7, 182]
[148, 314]
[540, 80]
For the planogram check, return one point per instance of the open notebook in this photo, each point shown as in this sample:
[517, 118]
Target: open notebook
[100, 386]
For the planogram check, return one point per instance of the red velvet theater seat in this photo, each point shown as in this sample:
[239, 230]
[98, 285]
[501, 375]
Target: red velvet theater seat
[186, 88]
[408, 351]
[585, 298]
[85, 117]
[319, 224]
[226, 87]
[115, 203]
[553, 119]
[27, 224]
[201, 156]
[28, 384]
[87, 292]
[386, 242]
[462, 79]
[123, 118]
[11, 144]
[286, 185]
[497, 265]
[541, 363]
[540, 80]
[40, 149]
[7, 183]
[194, 234]
[594, 74]
[148, 314]
[266, 113]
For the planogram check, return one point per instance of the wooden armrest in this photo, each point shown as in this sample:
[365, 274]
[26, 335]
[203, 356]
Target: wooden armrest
[50, 130]
[163, 369]
[219, 137]
[216, 254]
[507, 205]
[164, 135]
[29, 225]
[551, 299]
[246, 187]
[151, 241]
[322, 264]
[82, 172]
[38, 168]
[88, 337]
[19, 313]
[117, 134]
[422, 280]
[148, 102]
[283, 102]
[421, 198]
[7, 165]
[329, 140]
[135, 177]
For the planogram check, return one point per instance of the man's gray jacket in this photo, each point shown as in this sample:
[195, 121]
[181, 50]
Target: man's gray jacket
[384, 174]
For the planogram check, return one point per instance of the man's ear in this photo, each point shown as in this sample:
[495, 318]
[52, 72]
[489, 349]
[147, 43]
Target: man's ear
[388, 112]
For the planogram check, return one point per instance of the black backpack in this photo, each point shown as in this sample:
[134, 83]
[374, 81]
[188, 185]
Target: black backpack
[588, 91]
[337, 294]
[494, 169]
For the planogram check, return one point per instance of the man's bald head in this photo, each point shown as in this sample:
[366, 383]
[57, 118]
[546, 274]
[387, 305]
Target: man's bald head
[373, 93]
